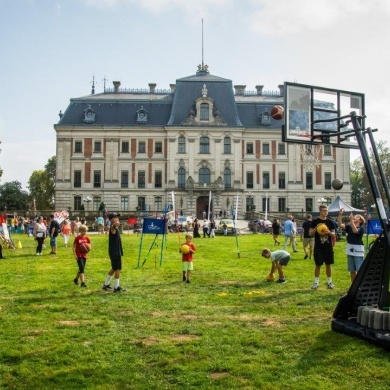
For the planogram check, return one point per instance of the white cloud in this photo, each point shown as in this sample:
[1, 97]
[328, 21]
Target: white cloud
[294, 16]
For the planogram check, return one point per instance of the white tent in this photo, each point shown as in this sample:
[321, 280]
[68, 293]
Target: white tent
[339, 204]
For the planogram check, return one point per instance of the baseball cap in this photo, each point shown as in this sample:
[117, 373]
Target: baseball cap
[113, 215]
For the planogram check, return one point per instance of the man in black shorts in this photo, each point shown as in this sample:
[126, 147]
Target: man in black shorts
[115, 251]
[323, 248]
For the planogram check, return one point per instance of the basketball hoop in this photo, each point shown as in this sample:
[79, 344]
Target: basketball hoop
[310, 155]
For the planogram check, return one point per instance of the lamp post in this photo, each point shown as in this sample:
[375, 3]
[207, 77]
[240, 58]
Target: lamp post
[322, 200]
[87, 200]
[181, 205]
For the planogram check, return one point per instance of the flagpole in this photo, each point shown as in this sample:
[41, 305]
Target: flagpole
[234, 224]
[208, 214]
[266, 207]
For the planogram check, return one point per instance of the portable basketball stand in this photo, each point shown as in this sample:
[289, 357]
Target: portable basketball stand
[339, 124]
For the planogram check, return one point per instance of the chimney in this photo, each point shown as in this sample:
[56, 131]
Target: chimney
[239, 89]
[259, 89]
[173, 87]
[281, 89]
[152, 87]
[117, 84]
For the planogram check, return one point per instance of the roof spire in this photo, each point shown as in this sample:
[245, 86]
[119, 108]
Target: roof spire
[93, 85]
[202, 69]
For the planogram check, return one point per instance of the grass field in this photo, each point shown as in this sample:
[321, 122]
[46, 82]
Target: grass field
[228, 329]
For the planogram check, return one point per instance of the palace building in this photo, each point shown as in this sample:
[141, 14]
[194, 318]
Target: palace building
[134, 148]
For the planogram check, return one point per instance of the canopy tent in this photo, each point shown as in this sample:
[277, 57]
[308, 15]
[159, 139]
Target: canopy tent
[339, 204]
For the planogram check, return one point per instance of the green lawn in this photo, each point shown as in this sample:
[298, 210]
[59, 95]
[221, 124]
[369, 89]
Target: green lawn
[228, 329]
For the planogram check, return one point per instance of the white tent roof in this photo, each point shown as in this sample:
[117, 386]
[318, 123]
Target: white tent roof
[339, 204]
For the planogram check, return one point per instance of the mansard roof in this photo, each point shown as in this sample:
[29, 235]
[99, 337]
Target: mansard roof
[120, 107]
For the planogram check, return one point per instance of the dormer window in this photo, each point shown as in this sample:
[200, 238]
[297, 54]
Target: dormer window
[142, 115]
[89, 115]
[204, 112]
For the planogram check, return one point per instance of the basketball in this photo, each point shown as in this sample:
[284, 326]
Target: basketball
[185, 249]
[277, 112]
[85, 247]
[322, 228]
[270, 277]
[337, 184]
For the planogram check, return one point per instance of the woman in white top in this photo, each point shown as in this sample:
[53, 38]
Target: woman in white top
[39, 233]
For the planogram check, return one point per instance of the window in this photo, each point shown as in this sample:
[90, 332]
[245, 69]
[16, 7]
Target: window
[97, 179]
[281, 149]
[96, 201]
[77, 179]
[266, 150]
[327, 150]
[125, 146]
[78, 147]
[141, 179]
[124, 203]
[249, 148]
[158, 147]
[328, 181]
[204, 112]
[204, 145]
[266, 181]
[77, 203]
[181, 144]
[141, 147]
[158, 203]
[309, 180]
[97, 147]
[181, 178]
[227, 145]
[158, 179]
[141, 203]
[125, 179]
[309, 204]
[281, 205]
[204, 176]
[249, 180]
[227, 177]
[282, 180]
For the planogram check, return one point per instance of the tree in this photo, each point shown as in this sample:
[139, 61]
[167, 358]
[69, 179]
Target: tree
[41, 185]
[13, 197]
[356, 177]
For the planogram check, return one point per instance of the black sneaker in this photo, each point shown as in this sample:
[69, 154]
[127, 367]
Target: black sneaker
[83, 284]
[306, 256]
[281, 280]
[106, 287]
[188, 281]
[184, 278]
[119, 289]
[75, 281]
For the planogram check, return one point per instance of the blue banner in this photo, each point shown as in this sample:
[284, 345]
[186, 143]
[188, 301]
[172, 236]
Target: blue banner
[153, 226]
[374, 226]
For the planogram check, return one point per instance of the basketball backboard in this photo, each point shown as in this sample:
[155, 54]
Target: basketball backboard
[316, 115]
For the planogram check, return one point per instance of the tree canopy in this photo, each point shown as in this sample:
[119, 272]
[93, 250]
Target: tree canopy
[13, 197]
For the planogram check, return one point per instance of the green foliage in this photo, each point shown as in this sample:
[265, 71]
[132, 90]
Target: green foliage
[41, 185]
[13, 197]
[227, 329]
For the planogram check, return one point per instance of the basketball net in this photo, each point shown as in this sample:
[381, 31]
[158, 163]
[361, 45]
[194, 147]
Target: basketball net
[310, 155]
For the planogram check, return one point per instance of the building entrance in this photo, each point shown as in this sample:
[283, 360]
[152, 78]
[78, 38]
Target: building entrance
[202, 207]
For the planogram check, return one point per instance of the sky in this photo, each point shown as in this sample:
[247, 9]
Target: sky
[51, 50]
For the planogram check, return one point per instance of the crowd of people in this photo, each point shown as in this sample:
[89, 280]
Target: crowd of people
[318, 239]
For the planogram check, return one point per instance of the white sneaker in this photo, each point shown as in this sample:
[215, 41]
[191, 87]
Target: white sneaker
[315, 286]
[37, 254]
[330, 286]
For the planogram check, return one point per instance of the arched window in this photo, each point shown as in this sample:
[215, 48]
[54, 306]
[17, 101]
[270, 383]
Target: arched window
[227, 145]
[204, 145]
[227, 177]
[181, 144]
[181, 178]
[204, 176]
[204, 112]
